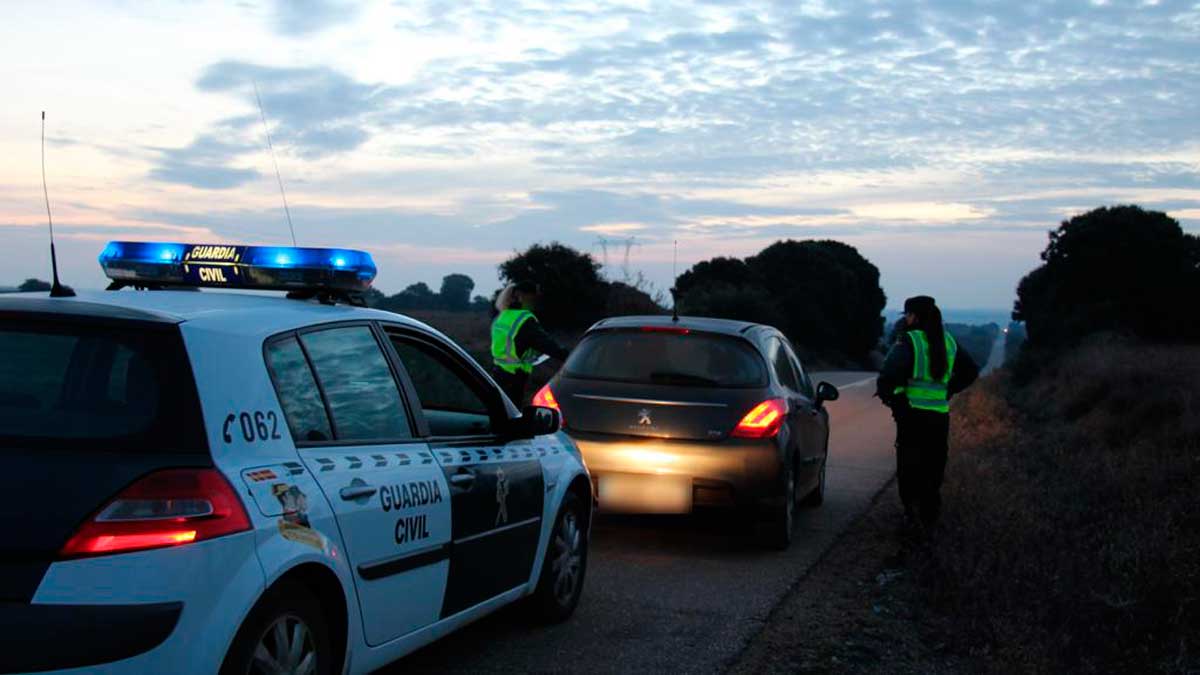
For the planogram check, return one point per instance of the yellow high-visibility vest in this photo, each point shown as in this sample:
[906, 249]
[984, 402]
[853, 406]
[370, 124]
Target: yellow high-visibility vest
[923, 392]
[504, 342]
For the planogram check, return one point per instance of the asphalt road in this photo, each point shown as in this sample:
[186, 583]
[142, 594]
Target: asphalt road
[996, 357]
[682, 594]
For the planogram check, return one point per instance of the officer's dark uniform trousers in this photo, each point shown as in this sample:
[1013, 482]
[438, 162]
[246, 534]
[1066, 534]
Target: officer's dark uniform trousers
[922, 444]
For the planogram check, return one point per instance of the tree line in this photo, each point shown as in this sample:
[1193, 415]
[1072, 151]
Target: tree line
[454, 296]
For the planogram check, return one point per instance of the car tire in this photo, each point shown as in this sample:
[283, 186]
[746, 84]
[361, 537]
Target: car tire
[781, 518]
[561, 580]
[285, 633]
[817, 496]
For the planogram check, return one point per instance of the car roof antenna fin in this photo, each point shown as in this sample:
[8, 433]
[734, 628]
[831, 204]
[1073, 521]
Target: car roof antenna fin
[278, 177]
[57, 290]
[674, 282]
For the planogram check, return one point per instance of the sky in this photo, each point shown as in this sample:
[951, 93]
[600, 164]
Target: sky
[943, 139]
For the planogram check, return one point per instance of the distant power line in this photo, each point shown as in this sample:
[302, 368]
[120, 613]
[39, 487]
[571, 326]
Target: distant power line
[624, 245]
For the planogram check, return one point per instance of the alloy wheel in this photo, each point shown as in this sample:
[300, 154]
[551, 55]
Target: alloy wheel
[286, 647]
[568, 558]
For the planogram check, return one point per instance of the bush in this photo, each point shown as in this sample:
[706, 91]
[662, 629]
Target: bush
[1071, 541]
[823, 294]
[1119, 269]
[31, 285]
[573, 294]
[626, 300]
[456, 292]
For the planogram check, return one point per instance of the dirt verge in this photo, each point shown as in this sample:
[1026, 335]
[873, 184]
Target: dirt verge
[857, 610]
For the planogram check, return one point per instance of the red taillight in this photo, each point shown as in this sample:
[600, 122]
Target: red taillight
[763, 420]
[674, 330]
[545, 398]
[165, 508]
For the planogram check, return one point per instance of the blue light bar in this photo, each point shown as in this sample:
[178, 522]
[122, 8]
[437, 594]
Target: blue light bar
[288, 268]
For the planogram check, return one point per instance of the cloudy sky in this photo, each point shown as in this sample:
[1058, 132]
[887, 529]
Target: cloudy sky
[943, 139]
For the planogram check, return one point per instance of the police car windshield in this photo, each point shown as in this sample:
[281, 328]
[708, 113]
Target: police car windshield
[666, 358]
[124, 388]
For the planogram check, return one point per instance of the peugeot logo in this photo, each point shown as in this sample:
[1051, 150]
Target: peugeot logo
[644, 418]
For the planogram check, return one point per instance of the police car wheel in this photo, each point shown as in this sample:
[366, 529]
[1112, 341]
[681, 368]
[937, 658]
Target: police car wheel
[781, 518]
[561, 579]
[285, 634]
[817, 496]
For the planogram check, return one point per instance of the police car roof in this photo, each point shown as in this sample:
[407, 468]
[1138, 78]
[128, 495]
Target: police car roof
[697, 323]
[230, 312]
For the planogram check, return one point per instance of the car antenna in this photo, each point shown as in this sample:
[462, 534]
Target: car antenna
[57, 290]
[674, 281]
[262, 114]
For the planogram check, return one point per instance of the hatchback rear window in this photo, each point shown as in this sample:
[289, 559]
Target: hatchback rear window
[124, 388]
[643, 357]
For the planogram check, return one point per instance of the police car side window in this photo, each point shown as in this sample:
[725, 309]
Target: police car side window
[358, 384]
[783, 366]
[297, 391]
[449, 402]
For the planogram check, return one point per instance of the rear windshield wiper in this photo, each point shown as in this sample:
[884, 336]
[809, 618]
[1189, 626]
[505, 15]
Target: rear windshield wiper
[689, 378]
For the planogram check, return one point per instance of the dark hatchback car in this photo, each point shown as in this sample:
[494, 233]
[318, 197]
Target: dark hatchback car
[673, 414]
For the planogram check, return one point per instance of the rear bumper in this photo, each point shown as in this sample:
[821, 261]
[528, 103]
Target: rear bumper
[57, 637]
[732, 472]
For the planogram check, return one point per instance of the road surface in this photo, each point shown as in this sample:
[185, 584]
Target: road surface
[996, 358]
[682, 594]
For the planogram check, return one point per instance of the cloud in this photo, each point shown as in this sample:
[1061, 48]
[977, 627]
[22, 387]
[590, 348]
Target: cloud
[203, 164]
[201, 176]
[298, 18]
[316, 111]
[524, 121]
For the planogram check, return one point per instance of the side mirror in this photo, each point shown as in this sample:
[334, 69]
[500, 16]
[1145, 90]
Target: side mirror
[537, 421]
[826, 392]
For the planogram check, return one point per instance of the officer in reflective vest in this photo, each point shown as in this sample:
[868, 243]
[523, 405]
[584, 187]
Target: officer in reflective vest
[518, 339]
[922, 371]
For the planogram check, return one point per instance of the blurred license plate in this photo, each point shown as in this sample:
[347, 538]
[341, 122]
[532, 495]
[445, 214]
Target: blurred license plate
[645, 493]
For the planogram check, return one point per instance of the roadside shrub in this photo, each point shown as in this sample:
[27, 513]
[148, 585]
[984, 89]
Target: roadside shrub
[1071, 539]
[1113, 269]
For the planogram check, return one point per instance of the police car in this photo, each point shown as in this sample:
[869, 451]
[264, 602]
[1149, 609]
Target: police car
[235, 482]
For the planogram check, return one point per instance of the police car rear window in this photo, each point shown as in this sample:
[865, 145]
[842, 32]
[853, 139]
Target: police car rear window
[667, 358]
[126, 388]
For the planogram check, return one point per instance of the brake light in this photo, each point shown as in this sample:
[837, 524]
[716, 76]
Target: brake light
[763, 421]
[674, 330]
[166, 508]
[545, 399]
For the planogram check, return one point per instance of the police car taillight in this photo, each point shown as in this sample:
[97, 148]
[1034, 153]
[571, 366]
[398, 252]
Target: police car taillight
[763, 421]
[166, 508]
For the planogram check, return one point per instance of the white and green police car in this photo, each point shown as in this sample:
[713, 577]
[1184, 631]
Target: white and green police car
[202, 482]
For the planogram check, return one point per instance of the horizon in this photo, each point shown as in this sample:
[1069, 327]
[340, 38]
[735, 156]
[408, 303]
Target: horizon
[942, 142]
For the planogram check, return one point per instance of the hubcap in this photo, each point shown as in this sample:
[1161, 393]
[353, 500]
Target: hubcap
[285, 648]
[568, 558]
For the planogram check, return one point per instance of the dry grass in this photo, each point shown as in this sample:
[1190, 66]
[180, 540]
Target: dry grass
[1071, 540]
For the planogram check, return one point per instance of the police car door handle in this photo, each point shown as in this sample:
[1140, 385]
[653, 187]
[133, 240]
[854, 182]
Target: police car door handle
[464, 479]
[352, 492]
